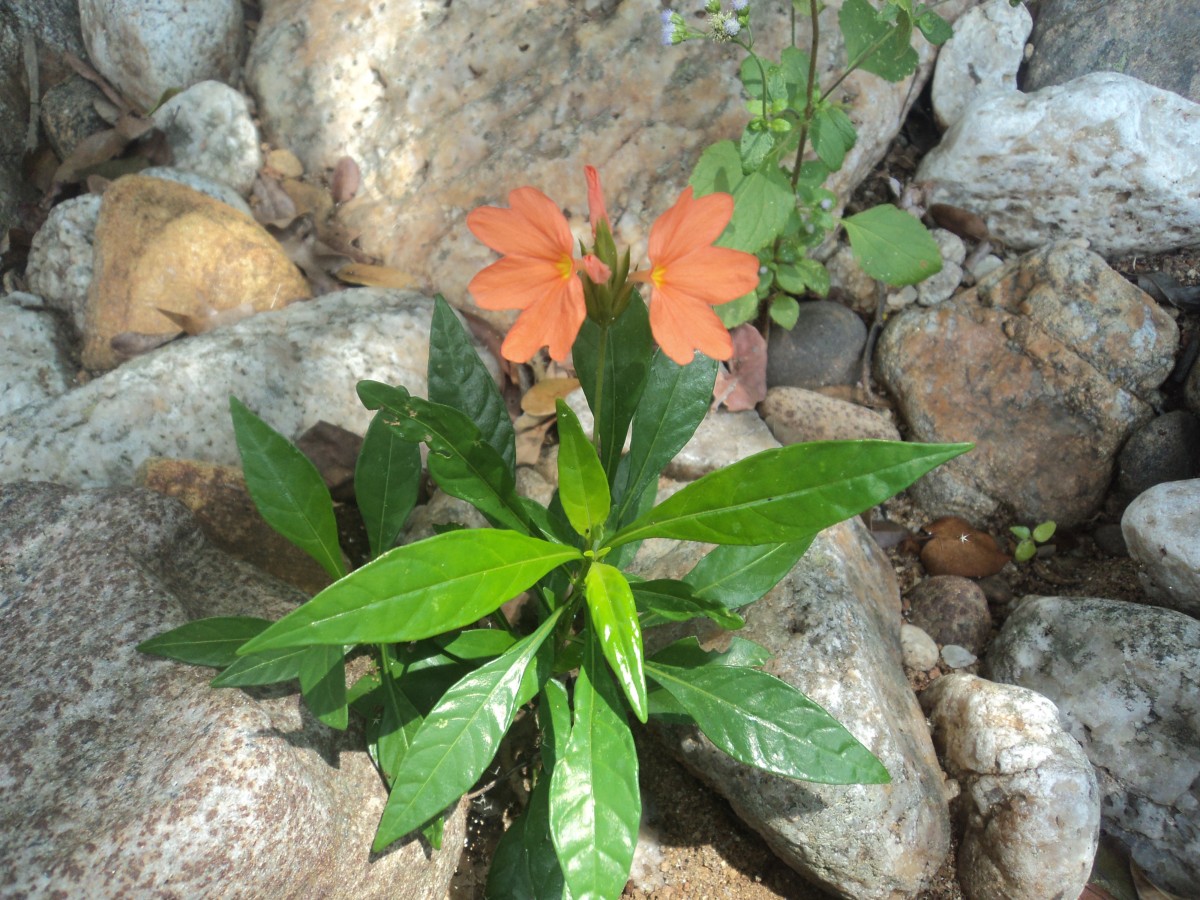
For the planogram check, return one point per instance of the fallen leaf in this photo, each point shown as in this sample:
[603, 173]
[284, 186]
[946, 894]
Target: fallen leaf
[962, 222]
[956, 547]
[284, 163]
[742, 384]
[1165, 289]
[531, 437]
[334, 451]
[208, 318]
[91, 151]
[539, 399]
[134, 343]
[374, 276]
[1146, 889]
[271, 204]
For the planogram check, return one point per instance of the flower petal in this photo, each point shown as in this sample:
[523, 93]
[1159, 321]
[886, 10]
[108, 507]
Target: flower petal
[713, 275]
[515, 282]
[534, 226]
[596, 210]
[682, 325]
[688, 225]
[553, 322]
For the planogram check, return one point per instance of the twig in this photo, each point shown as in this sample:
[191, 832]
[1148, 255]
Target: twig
[29, 45]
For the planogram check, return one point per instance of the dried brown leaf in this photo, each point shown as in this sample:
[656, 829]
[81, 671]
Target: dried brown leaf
[540, 399]
[271, 204]
[531, 437]
[742, 384]
[92, 151]
[962, 222]
[284, 164]
[208, 318]
[1147, 889]
[346, 180]
[134, 343]
[374, 276]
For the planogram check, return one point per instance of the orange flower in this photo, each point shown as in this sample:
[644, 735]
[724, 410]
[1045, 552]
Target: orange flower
[536, 274]
[688, 276]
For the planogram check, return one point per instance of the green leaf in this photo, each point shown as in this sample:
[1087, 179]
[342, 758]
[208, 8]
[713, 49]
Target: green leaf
[625, 365]
[387, 478]
[687, 653]
[595, 805]
[615, 621]
[554, 716]
[1021, 531]
[665, 600]
[287, 489]
[874, 45]
[751, 73]
[462, 463]
[793, 63]
[582, 484]
[459, 379]
[323, 684]
[524, 863]
[1044, 531]
[673, 405]
[803, 276]
[790, 493]
[477, 643]
[832, 135]
[206, 642]
[892, 246]
[764, 722]
[734, 575]
[457, 740]
[397, 725]
[936, 29]
[419, 590]
[762, 199]
[785, 311]
[756, 144]
[738, 312]
[268, 667]
[1026, 550]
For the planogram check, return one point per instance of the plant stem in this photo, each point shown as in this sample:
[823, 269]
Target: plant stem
[810, 104]
[599, 394]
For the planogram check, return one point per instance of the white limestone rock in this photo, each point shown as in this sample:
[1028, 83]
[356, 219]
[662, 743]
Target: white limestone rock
[1160, 530]
[982, 58]
[210, 132]
[31, 366]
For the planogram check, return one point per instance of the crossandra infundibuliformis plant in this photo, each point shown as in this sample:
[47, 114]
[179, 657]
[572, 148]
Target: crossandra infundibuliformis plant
[451, 671]
[784, 212]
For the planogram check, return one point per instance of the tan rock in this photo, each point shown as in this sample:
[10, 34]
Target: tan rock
[796, 415]
[163, 245]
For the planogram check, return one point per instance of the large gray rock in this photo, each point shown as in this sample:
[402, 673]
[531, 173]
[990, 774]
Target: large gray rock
[446, 107]
[210, 132]
[1151, 40]
[126, 775]
[1104, 157]
[1029, 804]
[1160, 531]
[62, 258]
[293, 367]
[833, 629]
[1047, 365]
[32, 367]
[1126, 680]
[146, 49]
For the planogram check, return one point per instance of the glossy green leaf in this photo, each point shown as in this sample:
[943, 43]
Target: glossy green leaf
[687, 653]
[268, 667]
[673, 405]
[615, 622]
[734, 575]
[832, 134]
[764, 722]
[625, 364]
[419, 590]
[459, 379]
[206, 642]
[387, 478]
[457, 740]
[1044, 531]
[790, 493]
[476, 643]
[936, 29]
[892, 246]
[875, 45]
[398, 723]
[323, 684]
[287, 489]
[582, 484]
[554, 716]
[666, 600]
[595, 805]
[762, 199]
[462, 463]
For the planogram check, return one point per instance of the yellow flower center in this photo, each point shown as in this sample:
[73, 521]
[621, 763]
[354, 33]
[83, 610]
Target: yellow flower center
[566, 266]
[658, 275]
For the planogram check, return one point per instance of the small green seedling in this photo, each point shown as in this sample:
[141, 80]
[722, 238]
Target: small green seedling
[1027, 541]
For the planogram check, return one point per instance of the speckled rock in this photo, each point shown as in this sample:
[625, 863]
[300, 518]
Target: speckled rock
[146, 48]
[1126, 680]
[1028, 802]
[216, 189]
[161, 245]
[1047, 365]
[62, 258]
[69, 114]
[127, 775]
[796, 415]
[1099, 158]
[446, 107]
[721, 439]
[942, 285]
[294, 367]
[825, 347]
[31, 367]
[1160, 531]
[919, 650]
[982, 57]
[210, 132]
[1151, 40]
[833, 628]
[951, 610]
[1166, 448]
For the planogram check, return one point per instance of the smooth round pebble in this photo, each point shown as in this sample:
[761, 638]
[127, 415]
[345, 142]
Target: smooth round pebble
[957, 657]
[952, 610]
[919, 650]
[825, 347]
